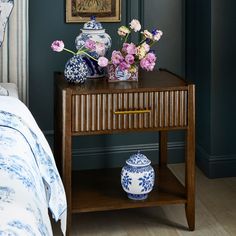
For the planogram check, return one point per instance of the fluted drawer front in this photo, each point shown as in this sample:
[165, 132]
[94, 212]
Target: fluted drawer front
[122, 111]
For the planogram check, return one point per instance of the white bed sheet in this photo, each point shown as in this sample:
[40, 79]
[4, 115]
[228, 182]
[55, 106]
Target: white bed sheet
[26, 155]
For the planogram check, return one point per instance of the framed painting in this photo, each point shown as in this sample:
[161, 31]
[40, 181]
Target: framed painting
[103, 10]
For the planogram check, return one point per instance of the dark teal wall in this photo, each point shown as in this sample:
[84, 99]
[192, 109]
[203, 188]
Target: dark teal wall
[210, 63]
[47, 23]
[224, 77]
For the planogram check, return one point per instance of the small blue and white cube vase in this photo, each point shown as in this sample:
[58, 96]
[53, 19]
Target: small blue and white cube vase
[94, 30]
[137, 177]
[76, 70]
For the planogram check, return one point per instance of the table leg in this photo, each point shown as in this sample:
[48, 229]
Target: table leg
[163, 137]
[190, 184]
[190, 161]
[67, 154]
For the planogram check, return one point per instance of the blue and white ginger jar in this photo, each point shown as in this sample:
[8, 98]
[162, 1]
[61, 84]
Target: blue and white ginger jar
[137, 177]
[93, 30]
[76, 70]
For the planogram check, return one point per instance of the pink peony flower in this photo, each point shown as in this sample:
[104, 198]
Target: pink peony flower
[148, 62]
[58, 46]
[124, 66]
[116, 57]
[102, 61]
[90, 44]
[100, 49]
[129, 59]
[129, 48]
[151, 57]
[135, 25]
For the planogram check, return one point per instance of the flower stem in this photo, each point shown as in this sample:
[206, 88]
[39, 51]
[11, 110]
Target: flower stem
[142, 41]
[80, 49]
[152, 43]
[83, 52]
[126, 37]
[69, 51]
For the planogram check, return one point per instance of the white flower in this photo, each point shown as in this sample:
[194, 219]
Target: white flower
[141, 52]
[135, 25]
[158, 35]
[123, 31]
[145, 46]
[147, 34]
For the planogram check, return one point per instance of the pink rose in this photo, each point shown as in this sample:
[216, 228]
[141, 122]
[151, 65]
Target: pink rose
[129, 59]
[102, 61]
[116, 57]
[90, 44]
[135, 25]
[57, 46]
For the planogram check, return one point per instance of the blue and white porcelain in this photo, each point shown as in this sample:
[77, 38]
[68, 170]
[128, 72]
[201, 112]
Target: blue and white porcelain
[115, 73]
[137, 177]
[93, 30]
[76, 70]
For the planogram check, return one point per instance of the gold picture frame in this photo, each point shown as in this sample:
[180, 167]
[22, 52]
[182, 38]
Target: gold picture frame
[103, 10]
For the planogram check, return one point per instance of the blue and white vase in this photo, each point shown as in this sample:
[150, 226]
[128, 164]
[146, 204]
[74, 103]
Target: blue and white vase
[137, 177]
[93, 30]
[76, 70]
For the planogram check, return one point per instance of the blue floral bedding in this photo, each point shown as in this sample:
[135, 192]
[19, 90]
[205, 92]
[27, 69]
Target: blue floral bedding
[29, 180]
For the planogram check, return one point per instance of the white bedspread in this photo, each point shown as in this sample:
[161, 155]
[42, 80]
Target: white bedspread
[29, 180]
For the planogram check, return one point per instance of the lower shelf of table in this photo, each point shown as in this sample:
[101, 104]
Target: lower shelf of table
[100, 190]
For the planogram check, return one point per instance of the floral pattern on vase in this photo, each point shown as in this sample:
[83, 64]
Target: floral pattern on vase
[115, 73]
[137, 177]
[76, 70]
[93, 30]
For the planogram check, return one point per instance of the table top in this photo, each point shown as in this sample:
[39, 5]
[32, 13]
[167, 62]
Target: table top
[148, 81]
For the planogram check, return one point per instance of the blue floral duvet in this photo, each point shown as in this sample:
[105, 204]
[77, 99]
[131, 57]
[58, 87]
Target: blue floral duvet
[29, 180]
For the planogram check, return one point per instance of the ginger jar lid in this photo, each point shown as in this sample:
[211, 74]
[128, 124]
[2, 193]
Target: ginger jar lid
[138, 160]
[92, 24]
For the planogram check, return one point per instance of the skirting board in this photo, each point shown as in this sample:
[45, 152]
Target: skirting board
[115, 156]
[216, 166]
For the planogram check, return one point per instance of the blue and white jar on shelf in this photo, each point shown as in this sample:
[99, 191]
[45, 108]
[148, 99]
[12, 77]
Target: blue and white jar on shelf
[137, 177]
[93, 30]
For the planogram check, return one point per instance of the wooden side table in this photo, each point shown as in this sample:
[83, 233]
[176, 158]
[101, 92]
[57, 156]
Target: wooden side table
[159, 101]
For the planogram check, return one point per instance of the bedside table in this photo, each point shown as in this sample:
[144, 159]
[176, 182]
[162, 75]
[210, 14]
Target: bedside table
[159, 101]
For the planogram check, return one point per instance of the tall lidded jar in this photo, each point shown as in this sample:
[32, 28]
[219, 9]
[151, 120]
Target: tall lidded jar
[137, 177]
[93, 30]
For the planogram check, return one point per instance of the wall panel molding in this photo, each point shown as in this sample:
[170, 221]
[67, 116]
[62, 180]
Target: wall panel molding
[215, 166]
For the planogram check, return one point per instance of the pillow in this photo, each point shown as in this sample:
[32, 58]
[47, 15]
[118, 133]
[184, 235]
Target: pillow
[3, 91]
[5, 11]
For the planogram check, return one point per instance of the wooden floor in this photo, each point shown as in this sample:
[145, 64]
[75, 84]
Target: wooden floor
[215, 214]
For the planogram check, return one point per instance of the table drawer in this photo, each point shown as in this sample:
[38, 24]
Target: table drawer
[124, 111]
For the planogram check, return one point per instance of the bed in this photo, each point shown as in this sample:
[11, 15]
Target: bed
[30, 185]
